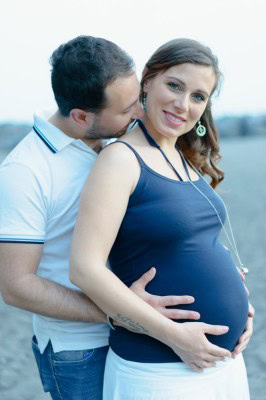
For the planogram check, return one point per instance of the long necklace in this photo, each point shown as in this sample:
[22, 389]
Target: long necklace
[232, 242]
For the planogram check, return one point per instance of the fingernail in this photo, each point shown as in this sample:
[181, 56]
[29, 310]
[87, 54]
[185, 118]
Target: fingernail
[226, 328]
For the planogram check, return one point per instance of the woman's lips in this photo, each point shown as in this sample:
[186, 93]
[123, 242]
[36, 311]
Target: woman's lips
[173, 119]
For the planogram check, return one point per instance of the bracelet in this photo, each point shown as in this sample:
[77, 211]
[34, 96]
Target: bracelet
[110, 322]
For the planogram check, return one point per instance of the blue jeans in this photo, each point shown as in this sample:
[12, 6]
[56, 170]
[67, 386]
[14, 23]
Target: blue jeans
[71, 375]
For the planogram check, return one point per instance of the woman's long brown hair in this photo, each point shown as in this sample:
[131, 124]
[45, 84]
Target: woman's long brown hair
[202, 152]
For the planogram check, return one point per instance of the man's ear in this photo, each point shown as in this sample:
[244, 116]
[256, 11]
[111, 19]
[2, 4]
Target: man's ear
[84, 119]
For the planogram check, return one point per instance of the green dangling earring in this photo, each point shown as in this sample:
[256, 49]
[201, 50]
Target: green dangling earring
[144, 101]
[201, 130]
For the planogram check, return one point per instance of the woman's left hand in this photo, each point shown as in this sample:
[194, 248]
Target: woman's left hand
[245, 337]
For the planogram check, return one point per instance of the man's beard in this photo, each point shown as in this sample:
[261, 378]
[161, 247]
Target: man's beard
[97, 132]
[92, 135]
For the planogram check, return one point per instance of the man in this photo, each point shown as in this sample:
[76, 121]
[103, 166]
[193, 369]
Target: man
[96, 91]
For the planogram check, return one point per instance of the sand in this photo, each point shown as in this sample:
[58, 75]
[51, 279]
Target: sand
[245, 194]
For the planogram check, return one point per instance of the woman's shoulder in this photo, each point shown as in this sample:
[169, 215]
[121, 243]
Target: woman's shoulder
[121, 150]
[117, 161]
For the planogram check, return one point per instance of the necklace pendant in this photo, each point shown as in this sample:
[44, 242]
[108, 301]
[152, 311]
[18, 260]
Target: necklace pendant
[244, 270]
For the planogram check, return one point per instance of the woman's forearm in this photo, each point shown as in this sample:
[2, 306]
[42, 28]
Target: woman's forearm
[119, 302]
[187, 340]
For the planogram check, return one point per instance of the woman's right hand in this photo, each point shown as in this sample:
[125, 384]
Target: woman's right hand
[189, 342]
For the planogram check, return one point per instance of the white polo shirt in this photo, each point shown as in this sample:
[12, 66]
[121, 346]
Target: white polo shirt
[40, 185]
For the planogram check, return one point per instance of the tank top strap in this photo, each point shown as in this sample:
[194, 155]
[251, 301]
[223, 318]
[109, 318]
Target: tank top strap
[152, 142]
[141, 162]
[184, 162]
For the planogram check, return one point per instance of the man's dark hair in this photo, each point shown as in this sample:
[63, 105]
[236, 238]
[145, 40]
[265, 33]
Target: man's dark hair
[81, 70]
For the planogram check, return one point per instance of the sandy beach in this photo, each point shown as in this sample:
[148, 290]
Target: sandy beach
[244, 192]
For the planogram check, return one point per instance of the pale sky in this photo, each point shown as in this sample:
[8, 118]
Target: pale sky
[31, 29]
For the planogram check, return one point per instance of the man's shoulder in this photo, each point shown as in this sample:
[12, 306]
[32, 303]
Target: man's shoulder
[26, 165]
[28, 153]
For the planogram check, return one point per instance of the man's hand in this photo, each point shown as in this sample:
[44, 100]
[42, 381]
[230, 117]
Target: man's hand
[245, 337]
[161, 302]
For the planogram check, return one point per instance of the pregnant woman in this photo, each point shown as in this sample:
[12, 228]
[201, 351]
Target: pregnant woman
[146, 203]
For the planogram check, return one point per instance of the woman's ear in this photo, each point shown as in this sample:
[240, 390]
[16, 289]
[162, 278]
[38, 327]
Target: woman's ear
[146, 85]
[144, 72]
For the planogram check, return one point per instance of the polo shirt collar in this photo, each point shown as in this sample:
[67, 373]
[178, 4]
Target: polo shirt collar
[53, 137]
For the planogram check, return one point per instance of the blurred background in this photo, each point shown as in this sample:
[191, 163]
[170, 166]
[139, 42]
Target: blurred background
[235, 30]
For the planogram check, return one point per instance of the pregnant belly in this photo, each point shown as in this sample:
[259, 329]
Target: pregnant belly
[213, 280]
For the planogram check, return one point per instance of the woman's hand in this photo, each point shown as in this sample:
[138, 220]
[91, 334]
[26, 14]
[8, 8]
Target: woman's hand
[245, 337]
[248, 332]
[192, 346]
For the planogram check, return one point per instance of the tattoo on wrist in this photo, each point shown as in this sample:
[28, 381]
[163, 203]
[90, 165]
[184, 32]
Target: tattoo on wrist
[133, 326]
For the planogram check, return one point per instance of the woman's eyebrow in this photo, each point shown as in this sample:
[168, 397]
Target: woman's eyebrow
[176, 79]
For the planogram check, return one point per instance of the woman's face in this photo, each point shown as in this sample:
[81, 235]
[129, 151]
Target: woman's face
[177, 98]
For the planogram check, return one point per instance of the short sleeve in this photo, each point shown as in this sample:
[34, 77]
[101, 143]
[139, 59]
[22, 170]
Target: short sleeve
[22, 205]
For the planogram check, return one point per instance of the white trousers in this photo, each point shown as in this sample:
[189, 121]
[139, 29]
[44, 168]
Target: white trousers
[127, 380]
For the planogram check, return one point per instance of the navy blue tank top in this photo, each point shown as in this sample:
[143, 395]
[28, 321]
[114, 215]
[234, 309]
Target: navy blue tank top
[171, 226]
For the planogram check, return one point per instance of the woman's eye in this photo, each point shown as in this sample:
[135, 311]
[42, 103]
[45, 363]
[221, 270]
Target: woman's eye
[174, 86]
[199, 97]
